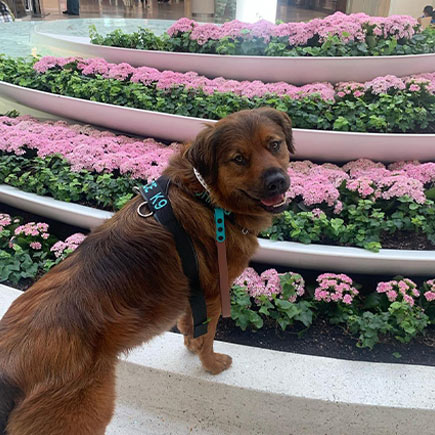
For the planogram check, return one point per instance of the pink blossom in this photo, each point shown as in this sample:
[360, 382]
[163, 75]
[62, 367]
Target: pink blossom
[430, 293]
[336, 288]
[399, 289]
[5, 220]
[71, 243]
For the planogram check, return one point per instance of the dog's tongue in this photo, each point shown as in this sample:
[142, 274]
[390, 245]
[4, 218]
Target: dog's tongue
[277, 199]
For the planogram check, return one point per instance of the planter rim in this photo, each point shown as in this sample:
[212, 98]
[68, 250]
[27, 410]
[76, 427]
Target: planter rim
[85, 41]
[291, 254]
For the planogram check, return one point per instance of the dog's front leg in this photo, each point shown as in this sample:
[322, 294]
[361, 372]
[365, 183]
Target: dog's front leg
[203, 346]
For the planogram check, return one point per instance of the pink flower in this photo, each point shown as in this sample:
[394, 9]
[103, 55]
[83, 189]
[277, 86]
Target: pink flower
[5, 220]
[35, 245]
[335, 287]
[402, 289]
[71, 243]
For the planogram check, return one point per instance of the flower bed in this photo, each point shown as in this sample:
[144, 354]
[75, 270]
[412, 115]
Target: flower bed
[361, 204]
[29, 250]
[335, 35]
[397, 308]
[385, 104]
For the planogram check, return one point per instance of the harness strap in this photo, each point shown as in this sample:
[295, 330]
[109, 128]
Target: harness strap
[156, 198]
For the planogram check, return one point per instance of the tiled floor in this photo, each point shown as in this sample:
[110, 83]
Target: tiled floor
[153, 10]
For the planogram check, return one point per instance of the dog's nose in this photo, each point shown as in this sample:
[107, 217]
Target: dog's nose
[276, 182]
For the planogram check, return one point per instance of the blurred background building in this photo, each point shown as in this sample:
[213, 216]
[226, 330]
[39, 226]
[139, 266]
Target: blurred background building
[219, 10]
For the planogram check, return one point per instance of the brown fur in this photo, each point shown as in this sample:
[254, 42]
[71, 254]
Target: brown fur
[59, 341]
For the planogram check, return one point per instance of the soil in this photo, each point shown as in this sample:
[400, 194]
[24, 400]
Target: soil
[323, 339]
[406, 240]
[320, 339]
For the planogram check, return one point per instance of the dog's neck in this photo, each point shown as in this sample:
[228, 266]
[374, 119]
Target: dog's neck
[182, 175]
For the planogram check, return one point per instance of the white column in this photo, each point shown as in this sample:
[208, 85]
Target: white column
[254, 10]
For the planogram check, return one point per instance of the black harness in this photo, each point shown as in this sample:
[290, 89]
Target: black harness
[156, 198]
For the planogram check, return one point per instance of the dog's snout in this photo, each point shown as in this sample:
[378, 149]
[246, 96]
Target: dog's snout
[276, 181]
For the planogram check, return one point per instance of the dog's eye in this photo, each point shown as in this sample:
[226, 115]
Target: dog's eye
[240, 160]
[275, 145]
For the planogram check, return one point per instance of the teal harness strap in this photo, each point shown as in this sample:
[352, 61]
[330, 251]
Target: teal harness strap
[219, 219]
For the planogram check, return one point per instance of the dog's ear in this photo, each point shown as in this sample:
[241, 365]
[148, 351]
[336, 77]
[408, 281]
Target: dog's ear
[284, 121]
[202, 153]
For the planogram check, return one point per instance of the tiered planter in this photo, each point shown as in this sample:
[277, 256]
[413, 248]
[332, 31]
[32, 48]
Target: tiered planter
[296, 70]
[322, 257]
[264, 392]
[318, 145]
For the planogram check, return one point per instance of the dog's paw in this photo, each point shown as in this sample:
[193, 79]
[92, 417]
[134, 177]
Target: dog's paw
[216, 363]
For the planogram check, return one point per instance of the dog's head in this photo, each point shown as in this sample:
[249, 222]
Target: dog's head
[244, 159]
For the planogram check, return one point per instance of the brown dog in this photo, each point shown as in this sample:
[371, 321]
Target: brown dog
[59, 341]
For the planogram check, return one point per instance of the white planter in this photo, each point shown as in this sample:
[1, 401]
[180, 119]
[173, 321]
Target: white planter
[296, 70]
[162, 389]
[322, 257]
[67, 212]
[320, 145]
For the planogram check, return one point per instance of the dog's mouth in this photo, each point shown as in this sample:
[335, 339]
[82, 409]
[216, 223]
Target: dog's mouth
[273, 204]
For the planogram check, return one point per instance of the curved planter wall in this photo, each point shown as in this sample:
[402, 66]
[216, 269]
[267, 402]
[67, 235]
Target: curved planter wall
[296, 70]
[323, 257]
[327, 146]
[257, 395]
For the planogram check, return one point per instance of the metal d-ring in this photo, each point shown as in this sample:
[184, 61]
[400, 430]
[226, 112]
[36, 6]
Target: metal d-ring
[142, 214]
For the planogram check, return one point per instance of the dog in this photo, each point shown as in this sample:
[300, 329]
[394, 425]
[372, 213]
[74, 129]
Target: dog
[59, 341]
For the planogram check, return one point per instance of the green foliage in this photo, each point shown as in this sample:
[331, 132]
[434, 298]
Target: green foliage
[52, 176]
[18, 261]
[361, 222]
[252, 313]
[400, 321]
[17, 265]
[277, 46]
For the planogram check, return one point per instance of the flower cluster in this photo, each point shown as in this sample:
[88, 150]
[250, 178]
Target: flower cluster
[335, 288]
[32, 234]
[268, 284]
[102, 151]
[399, 289]
[168, 80]
[429, 294]
[323, 184]
[71, 243]
[354, 27]
[5, 220]
[85, 147]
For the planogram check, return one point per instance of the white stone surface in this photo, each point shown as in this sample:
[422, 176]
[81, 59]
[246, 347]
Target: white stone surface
[162, 389]
[295, 70]
[330, 146]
